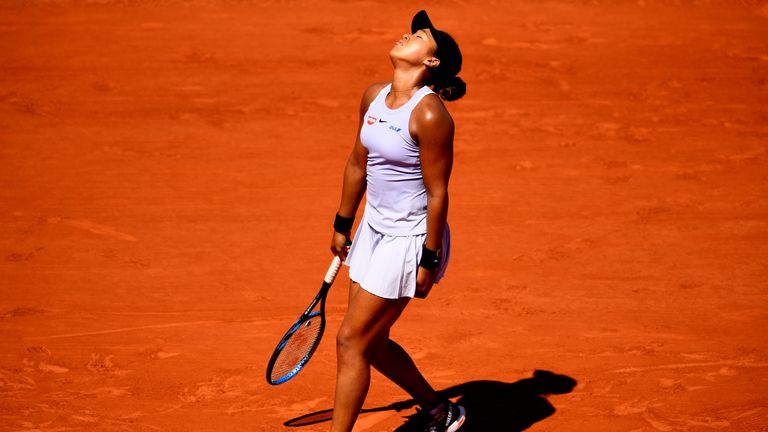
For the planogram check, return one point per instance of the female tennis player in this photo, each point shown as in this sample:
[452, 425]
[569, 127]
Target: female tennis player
[402, 158]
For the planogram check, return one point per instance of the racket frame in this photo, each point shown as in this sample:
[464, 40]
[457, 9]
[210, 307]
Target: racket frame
[306, 316]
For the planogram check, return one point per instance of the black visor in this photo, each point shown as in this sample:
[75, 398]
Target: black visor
[447, 49]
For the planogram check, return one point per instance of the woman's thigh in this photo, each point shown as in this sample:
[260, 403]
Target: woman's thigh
[369, 317]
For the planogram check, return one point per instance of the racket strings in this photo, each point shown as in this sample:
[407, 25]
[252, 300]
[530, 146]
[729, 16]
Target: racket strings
[296, 348]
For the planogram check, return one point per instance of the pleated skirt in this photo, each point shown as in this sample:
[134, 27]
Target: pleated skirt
[386, 265]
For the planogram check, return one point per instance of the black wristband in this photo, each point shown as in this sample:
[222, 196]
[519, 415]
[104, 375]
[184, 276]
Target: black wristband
[343, 224]
[430, 259]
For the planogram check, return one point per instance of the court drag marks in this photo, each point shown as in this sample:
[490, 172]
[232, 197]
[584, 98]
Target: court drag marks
[170, 170]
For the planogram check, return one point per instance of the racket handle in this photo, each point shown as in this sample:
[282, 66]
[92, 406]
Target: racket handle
[333, 270]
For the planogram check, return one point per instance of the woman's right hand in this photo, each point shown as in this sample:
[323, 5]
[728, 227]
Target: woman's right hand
[340, 245]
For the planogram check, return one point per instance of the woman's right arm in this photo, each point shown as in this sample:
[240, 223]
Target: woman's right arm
[354, 183]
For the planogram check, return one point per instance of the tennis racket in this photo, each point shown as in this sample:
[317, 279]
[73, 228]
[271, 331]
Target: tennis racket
[301, 340]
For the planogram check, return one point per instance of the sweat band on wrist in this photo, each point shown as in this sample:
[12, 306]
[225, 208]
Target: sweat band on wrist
[430, 259]
[343, 224]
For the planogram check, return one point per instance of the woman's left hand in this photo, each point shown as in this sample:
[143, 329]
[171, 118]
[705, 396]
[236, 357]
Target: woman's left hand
[424, 281]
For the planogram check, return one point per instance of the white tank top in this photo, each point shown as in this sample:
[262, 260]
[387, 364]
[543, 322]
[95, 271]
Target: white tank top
[396, 201]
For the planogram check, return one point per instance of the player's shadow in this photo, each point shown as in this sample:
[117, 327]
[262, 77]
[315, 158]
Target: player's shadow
[490, 405]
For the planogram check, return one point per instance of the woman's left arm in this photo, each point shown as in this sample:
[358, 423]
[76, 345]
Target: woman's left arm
[433, 128]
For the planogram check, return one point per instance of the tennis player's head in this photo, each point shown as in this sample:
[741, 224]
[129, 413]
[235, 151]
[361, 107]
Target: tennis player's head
[435, 52]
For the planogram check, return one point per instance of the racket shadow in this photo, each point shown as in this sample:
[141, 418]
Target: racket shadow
[490, 405]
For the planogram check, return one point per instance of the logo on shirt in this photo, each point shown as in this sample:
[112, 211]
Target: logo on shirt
[396, 129]
[371, 120]
[382, 121]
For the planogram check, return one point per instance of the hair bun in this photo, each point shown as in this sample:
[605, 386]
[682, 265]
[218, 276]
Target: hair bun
[451, 89]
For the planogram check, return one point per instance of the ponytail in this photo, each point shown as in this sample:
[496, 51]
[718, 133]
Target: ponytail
[450, 89]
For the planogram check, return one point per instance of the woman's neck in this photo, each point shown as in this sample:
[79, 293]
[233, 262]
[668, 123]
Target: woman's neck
[405, 83]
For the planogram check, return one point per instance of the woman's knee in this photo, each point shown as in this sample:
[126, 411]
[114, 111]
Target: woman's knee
[349, 341]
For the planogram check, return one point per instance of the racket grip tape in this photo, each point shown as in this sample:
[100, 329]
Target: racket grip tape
[333, 270]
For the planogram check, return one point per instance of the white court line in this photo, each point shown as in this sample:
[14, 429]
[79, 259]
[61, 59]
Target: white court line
[687, 365]
[126, 329]
[169, 325]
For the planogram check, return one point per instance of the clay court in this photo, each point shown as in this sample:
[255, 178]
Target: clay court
[169, 173]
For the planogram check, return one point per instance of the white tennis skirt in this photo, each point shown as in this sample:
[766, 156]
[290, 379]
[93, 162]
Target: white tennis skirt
[386, 265]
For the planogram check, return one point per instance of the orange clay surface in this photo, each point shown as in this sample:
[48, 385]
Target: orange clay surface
[169, 173]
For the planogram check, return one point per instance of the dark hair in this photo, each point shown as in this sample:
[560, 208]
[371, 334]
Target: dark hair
[450, 88]
[444, 78]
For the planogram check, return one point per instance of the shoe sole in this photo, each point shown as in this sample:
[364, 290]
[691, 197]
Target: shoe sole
[457, 424]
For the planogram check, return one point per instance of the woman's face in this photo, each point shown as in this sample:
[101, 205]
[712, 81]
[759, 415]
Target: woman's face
[416, 48]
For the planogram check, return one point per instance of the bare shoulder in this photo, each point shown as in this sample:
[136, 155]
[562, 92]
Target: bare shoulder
[431, 112]
[370, 93]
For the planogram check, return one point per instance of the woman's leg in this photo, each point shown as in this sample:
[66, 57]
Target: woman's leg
[393, 362]
[368, 318]
[389, 358]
